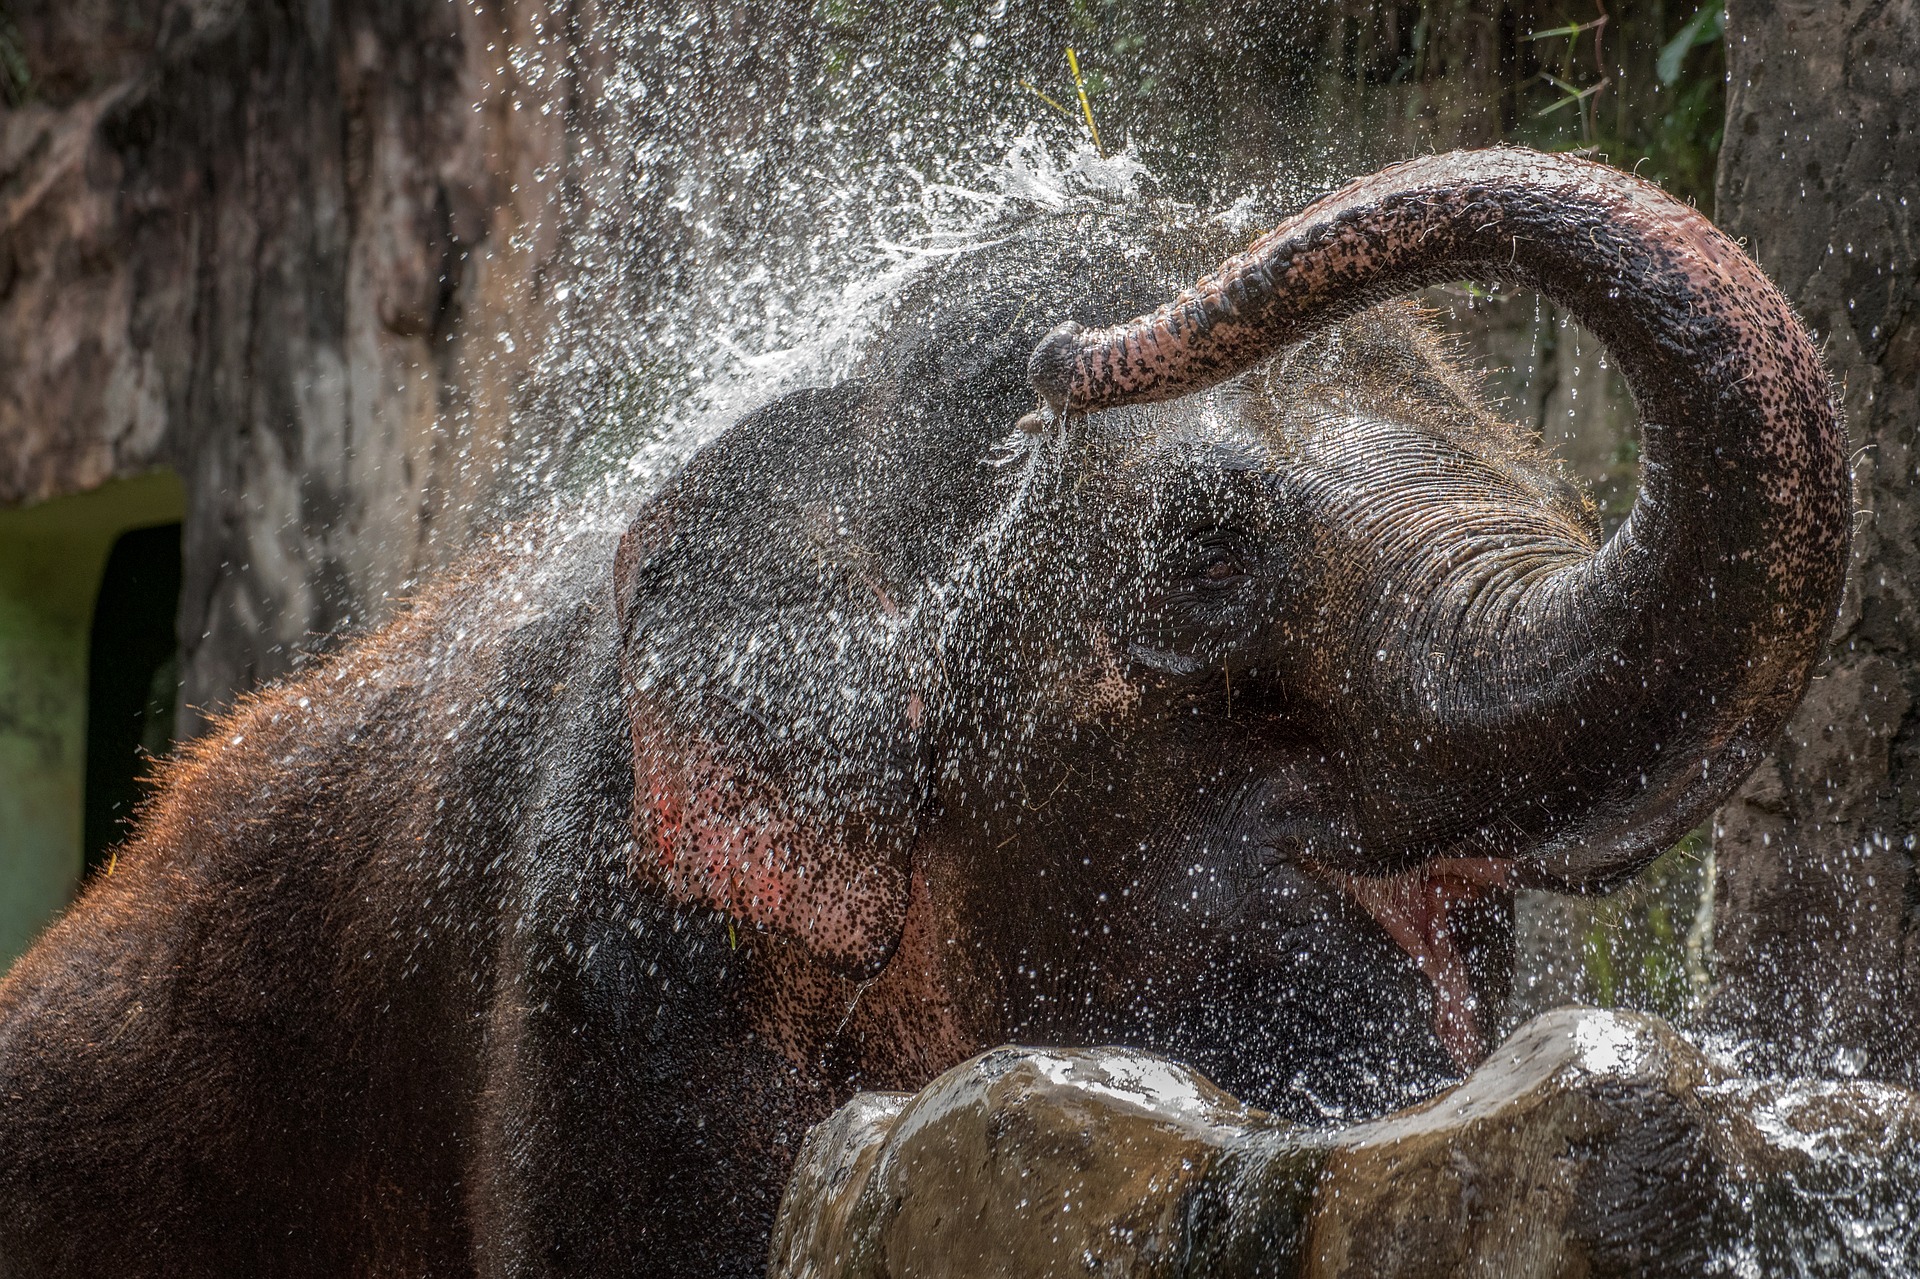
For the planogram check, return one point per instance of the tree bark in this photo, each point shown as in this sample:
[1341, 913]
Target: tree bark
[1818, 907]
[367, 275]
[286, 251]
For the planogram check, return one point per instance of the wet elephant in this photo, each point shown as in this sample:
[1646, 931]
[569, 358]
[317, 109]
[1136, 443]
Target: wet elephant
[1198, 681]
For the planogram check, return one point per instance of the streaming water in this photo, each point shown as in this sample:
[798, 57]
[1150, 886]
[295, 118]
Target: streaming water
[738, 221]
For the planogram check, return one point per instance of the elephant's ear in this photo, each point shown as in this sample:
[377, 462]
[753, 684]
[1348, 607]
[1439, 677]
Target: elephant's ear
[776, 686]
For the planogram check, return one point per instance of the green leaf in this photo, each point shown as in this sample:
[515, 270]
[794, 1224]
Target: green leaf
[1703, 27]
[16, 83]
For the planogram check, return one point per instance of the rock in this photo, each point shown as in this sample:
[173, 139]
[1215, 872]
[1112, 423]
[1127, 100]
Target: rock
[1589, 1143]
[1020, 1161]
[1817, 938]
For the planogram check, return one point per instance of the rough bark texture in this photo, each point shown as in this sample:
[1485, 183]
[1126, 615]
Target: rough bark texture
[1818, 915]
[288, 251]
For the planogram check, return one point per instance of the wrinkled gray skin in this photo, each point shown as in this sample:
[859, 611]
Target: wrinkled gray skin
[1098, 718]
[1119, 804]
[528, 934]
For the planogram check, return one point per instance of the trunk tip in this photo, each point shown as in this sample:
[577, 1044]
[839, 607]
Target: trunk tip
[1050, 368]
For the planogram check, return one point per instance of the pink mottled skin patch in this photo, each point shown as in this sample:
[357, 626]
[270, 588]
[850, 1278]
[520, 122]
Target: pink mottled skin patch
[713, 834]
[925, 1011]
[698, 841]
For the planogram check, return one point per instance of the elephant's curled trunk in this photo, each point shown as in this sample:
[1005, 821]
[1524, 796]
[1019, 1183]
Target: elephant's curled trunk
[1592, 706]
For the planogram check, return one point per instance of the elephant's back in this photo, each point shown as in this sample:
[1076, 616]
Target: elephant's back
[275, 1000]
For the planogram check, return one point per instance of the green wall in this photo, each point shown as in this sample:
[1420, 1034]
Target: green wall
[51, 558]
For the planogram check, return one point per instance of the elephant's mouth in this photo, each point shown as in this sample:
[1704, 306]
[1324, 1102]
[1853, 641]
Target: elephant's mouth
[1420, 910]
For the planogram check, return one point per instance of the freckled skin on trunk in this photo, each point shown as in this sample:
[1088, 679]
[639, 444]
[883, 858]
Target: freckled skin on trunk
[1646, 679]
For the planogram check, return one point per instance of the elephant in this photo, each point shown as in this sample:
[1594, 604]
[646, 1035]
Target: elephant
[1197, 676]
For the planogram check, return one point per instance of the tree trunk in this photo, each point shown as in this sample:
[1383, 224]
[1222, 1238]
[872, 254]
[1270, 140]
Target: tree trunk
[1818, 909]
[284, 251]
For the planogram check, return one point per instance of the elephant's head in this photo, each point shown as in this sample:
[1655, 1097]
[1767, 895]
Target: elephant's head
[1152, 713]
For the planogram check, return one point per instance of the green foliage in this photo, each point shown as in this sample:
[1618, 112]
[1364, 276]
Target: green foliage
[1218, 96]
[1709, 26]
[1631, 88]
[1643, 947]
[16, 81]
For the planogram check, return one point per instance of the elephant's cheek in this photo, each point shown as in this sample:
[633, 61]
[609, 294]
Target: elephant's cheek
[710, 836]
[703, 846]
[1419, 911]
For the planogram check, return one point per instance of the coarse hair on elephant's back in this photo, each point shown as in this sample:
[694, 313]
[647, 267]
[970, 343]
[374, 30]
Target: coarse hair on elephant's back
[308, 913]
[464, 669]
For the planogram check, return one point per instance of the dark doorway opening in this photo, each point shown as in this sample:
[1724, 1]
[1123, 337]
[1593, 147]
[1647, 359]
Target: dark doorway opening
[133, 677]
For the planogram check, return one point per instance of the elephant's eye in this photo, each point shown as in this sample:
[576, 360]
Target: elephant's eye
[1219, 563]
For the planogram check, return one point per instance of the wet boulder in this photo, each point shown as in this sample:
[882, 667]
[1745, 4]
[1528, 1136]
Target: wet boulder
[1588, 1144]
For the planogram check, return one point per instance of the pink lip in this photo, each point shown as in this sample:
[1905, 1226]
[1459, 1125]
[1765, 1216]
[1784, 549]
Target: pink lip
[1415, 909]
